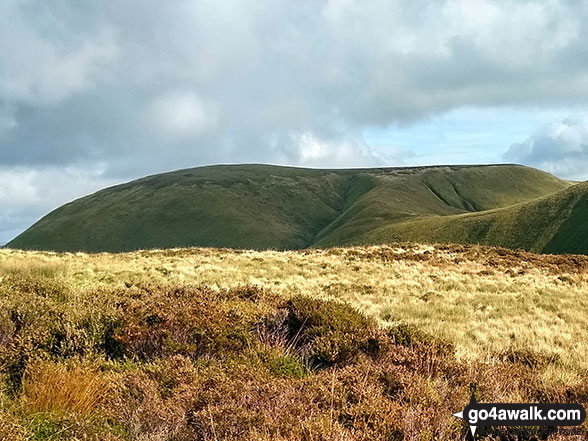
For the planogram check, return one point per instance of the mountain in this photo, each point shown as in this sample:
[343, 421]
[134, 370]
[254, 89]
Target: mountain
[555, 224]
[262, 206]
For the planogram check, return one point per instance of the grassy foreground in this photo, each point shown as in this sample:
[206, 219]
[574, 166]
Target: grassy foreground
[340, 344]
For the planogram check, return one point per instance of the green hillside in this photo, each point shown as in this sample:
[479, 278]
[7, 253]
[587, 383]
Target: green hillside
[557, 223]
[413, 193]
[261, 206]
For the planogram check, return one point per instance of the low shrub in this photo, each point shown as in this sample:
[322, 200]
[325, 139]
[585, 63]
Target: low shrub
[192, 321]
[285, 365]
[527, 357]
[328, 332]
[153, 362]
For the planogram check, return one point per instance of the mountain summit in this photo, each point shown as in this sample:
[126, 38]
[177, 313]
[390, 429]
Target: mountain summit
[271, 207]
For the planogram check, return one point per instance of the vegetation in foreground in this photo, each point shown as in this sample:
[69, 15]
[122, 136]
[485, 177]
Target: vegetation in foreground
[219, 344]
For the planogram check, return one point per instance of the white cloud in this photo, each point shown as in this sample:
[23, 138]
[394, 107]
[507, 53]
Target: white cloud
[307, 149]
[26, 194]
[561, 148]
[183, 114]
[17, 189]
[242, 71]
[513, 31]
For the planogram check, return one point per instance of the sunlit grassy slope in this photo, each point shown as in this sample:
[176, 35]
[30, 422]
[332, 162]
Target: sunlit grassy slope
[269, 207]
[355, 344]
[557, 223]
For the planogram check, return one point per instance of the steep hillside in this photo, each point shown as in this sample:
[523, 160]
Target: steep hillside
[413, 193]
[247, 207]
[553, 224]
[260, 207]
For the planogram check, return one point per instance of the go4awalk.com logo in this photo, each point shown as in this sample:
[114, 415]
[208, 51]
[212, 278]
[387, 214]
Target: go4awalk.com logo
[519, 414]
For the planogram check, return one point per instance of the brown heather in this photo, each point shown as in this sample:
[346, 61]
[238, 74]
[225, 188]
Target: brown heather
[377, 343]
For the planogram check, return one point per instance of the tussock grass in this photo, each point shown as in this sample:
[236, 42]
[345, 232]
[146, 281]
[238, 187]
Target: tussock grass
[372, 343]
[484, 300]
[34, 267]
[57, 388]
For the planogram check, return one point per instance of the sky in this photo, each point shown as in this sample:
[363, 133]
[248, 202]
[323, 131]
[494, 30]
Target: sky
[97, 93]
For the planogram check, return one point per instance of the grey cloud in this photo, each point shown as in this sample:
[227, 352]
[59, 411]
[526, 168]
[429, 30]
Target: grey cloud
[141, 86]
[561, 148]
[327, 68]
[42, 61]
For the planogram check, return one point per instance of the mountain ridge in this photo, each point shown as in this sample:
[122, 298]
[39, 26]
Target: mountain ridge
[552, 224]
[263, 206]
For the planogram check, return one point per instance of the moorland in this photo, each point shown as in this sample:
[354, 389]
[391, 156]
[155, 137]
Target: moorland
[356, 343]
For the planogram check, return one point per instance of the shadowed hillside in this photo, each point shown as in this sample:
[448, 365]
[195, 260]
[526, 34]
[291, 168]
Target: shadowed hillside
[261, 207]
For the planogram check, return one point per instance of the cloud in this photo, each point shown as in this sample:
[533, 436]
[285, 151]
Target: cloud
[208, 72]
[25, 194]
[143, 86]
[182, 114]
[307, 150]
[561, 148]
[7, 121]
[40, 64]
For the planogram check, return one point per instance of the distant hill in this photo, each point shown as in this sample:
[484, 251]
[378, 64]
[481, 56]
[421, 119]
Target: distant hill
[557, 223]
[262, 206]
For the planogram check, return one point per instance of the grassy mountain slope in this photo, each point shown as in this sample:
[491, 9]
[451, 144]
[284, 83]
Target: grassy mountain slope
[552, 224]
[245, 207]
[259, 206]
[419, 192]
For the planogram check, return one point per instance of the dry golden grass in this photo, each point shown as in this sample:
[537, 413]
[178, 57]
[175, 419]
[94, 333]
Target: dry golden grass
[229, 345]
[38, 267]
[485, 301]
[10, 427]
[58, 388]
